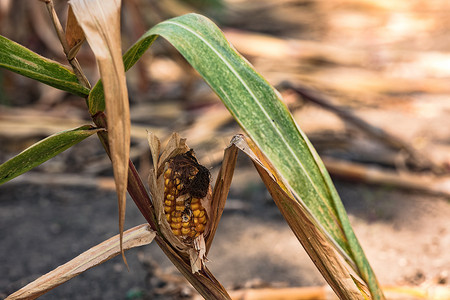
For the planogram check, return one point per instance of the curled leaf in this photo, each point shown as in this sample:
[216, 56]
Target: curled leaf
[74, 34]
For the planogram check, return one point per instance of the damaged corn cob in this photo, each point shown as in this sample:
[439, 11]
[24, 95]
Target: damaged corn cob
[182, 197]
[185, 183]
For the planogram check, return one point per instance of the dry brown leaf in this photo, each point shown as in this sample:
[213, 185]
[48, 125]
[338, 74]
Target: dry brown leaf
[220, 193]
[322, 252]
[100, 21]
[74, 35]
[134, 237]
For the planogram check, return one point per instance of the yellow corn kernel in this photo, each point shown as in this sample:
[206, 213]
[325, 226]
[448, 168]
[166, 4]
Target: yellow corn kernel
[202, 220]
[167, 183]
[175, 225]
[200, 228]
[184, 213]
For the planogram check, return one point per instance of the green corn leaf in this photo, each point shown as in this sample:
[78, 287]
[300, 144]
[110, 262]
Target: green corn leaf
[258, 109]
[43, 151]
[23, 61]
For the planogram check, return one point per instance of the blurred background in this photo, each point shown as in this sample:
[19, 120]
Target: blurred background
[367, 81]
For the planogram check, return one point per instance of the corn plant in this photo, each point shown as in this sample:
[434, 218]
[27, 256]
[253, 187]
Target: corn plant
[182, 209]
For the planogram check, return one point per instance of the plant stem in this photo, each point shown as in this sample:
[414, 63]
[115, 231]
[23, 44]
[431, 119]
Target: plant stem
[135, 187]
[204, 281]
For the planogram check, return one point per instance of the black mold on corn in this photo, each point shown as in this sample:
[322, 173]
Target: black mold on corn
[185, 183]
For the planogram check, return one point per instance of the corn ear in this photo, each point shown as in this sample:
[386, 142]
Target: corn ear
[182, 206]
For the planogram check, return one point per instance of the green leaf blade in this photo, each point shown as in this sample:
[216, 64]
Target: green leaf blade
[43, 151]
[255, 106]
[23, 61]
